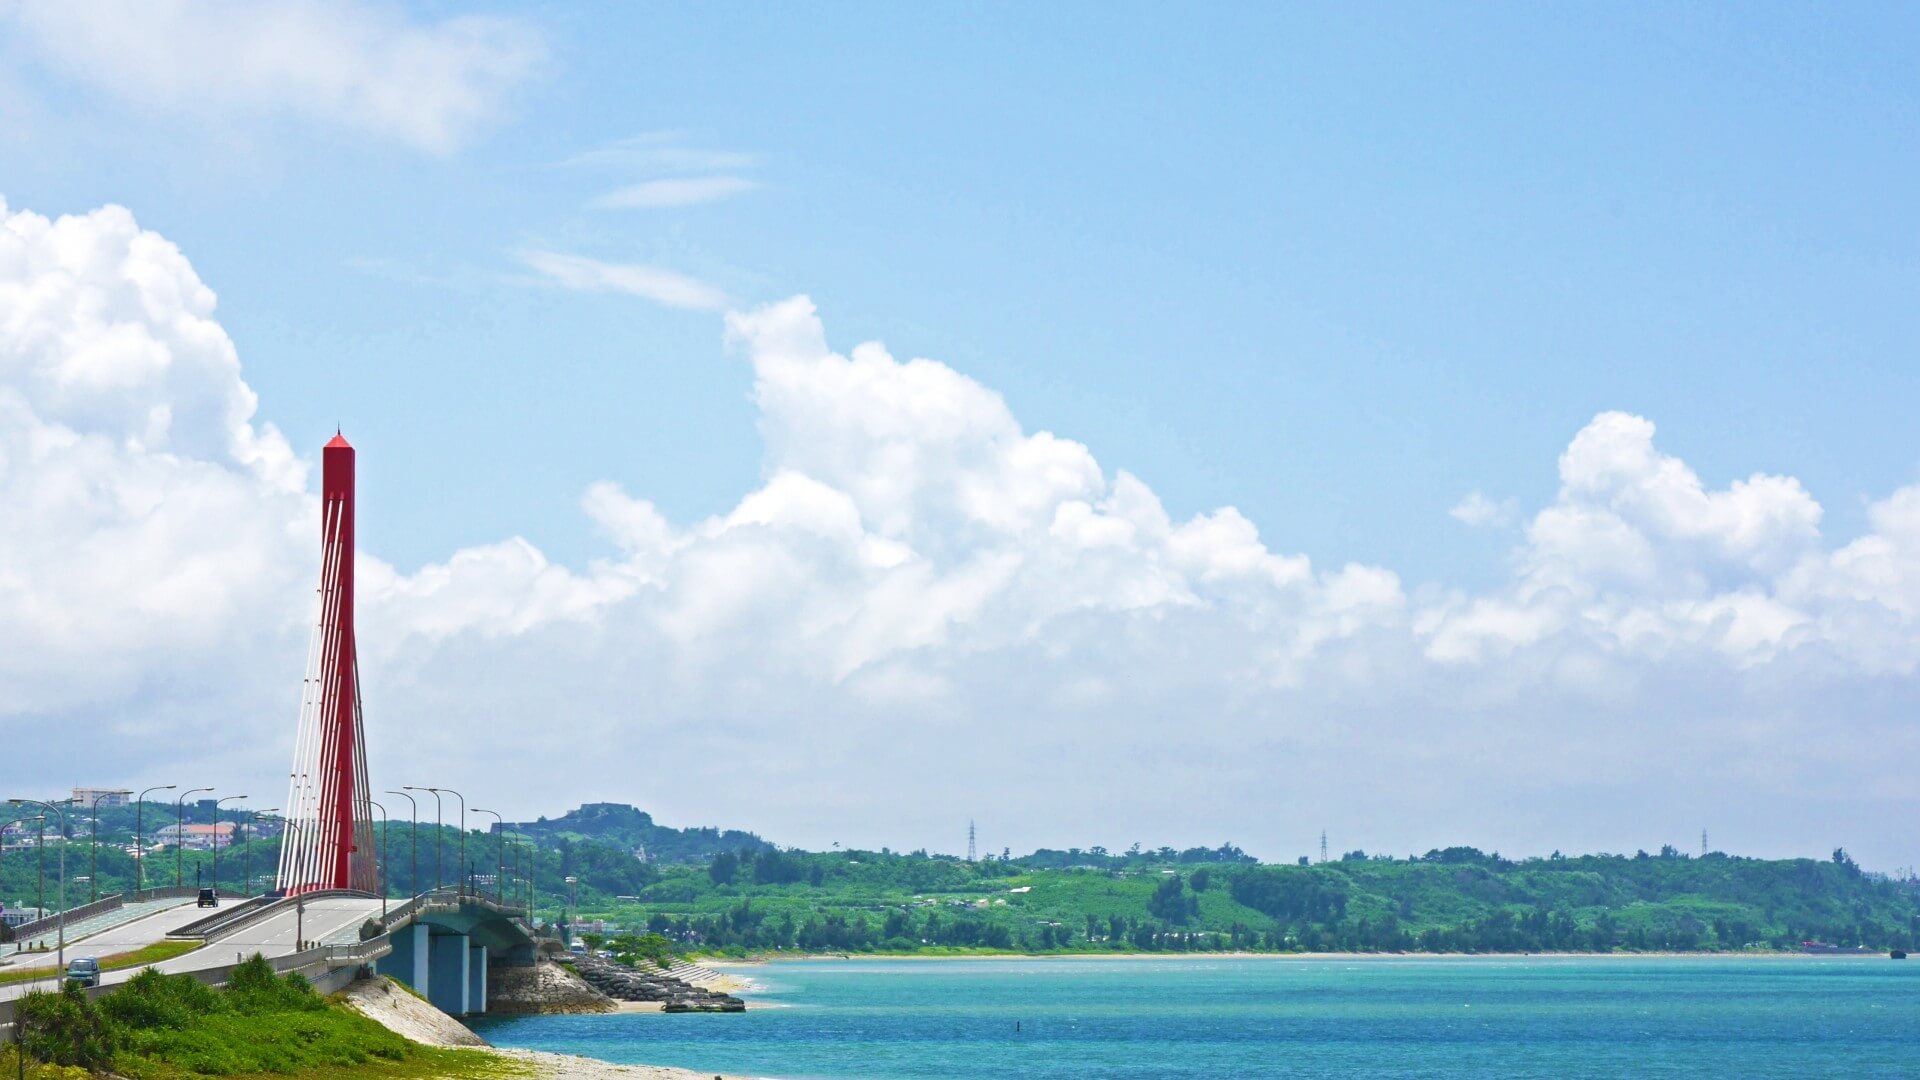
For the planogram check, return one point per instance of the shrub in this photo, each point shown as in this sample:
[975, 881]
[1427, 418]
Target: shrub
[64, 1028]
[153, 1000]
[253, 988]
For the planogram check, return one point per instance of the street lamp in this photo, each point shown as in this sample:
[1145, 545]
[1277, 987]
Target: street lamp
[466, 872]
[246, 850]
[380, 858]
[180, 832]
[93, 859]
[413, 817]
[139, 852]
[61, 958]
[216, 843]
[499, 846]
[533, 868]
[436, 830]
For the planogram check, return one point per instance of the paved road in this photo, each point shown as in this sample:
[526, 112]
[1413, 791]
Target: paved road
[335, 917]
[117, 939]
[331, 919]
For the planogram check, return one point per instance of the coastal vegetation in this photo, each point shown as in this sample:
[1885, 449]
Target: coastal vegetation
[1456, 900]
[704, 890]
[171, 1027]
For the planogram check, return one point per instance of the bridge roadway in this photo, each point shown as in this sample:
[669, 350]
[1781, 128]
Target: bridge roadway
[126, 937]
[332, 918]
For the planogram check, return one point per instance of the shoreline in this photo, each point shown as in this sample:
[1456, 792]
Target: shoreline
[756, 961]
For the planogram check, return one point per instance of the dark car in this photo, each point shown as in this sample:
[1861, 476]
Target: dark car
[84, 972]
[209, 898]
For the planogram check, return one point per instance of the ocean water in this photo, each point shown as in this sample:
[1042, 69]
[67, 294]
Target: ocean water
[1232, 1017]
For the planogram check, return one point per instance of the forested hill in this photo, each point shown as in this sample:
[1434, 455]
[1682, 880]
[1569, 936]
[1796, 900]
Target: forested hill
[1456, 900]
[623, 826]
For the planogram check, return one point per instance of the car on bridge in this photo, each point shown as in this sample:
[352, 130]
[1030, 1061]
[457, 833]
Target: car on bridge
[208, 898]
[84, 972]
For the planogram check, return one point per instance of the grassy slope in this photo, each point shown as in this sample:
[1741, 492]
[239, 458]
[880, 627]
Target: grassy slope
[170, 1027]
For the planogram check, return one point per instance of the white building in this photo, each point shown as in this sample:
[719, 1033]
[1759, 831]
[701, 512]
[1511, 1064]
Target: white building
[107, 796]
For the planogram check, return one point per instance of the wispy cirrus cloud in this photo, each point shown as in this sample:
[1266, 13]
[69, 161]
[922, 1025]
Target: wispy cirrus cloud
[674, 191]
[668, 173]
[431, 85]
[660, 285]
[659, 152]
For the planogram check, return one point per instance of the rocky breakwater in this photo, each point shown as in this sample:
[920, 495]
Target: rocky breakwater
[545, 988]
[631, 984]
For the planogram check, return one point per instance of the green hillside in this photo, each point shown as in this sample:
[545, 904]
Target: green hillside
[1458, 900]
[731, 891]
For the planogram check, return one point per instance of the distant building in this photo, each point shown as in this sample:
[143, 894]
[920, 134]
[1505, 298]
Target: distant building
[16, 916]
[107, 796]
[197, 837]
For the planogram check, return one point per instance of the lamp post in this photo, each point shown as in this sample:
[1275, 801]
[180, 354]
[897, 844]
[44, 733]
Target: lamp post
[466, 872]
[436, 830]
[216, 843]
[533, 868]
[180, 832]
[139, 852]
[93, 859]
[246, 850]
[413, 833]
[60, 958]
[380, 858]
[499, 842]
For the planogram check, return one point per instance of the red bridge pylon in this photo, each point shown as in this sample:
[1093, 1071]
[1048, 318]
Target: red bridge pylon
[329, 841]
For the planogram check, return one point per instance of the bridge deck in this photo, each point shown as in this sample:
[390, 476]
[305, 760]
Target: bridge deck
[327, 919]
[120, 930]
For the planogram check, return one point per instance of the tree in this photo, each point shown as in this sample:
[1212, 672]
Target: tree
[723, 868]
[1170, 902]
[1201, 879]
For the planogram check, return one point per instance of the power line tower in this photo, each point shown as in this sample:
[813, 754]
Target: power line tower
[1323, 845]
[1703, 843]
[972, 853]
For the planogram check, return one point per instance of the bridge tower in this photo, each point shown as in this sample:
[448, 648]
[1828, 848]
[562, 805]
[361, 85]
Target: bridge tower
[329, 841]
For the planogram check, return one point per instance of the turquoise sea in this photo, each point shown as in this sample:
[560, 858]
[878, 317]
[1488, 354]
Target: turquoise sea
[1231, 1017]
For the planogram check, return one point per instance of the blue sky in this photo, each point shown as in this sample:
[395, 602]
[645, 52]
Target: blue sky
[1335, 268]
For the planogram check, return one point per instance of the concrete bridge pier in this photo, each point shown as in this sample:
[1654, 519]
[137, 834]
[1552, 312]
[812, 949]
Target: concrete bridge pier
[408, 962]
[447, 949]
[476, 979]
[450, 975]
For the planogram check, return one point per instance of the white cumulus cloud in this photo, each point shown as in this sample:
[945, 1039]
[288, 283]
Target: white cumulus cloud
[927, 611]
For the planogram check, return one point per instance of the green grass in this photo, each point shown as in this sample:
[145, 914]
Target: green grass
[146, 954]
[172, 1027]
[1458, 900]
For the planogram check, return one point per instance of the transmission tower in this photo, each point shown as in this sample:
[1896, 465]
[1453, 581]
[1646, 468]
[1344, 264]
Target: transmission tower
[1703, 843]
[1323, 845]
[972, 854]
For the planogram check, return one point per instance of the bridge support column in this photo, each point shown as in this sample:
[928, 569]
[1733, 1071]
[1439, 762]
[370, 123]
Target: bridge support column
[408, 962]
[477, 978]
[449, 982]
